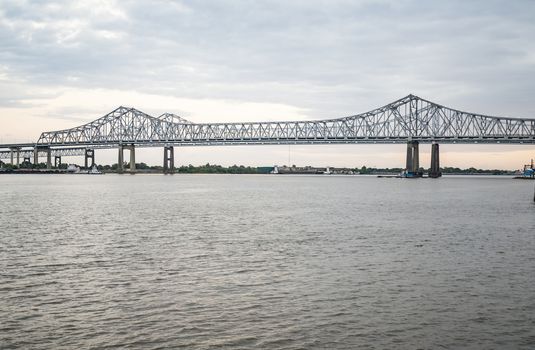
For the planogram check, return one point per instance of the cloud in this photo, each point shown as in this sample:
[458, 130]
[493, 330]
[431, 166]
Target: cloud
[317, 59]
[340, 46]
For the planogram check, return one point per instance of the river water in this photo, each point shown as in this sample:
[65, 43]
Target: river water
[266, 262]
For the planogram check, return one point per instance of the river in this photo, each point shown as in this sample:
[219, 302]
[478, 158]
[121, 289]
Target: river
[266, 262]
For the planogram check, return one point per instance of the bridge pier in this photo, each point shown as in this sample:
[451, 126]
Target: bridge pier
[168, 160]
[410, 151]
[413, 159]
[35, 156]
[120, 164]
[57, 161]
[435, 172]
[132, 158]
[48, 158]
[89, 154]
[120, 161]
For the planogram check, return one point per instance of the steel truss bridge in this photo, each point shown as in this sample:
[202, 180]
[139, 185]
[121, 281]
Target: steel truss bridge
[410, 120]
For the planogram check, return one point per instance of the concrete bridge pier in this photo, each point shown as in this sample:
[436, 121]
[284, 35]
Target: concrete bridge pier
[35, 156]
[435, 161]
[89, 154]
[48, 158]
[57, 161]
[413, 159]
[132, 158]
[408, 163]
[416, 157]
[168, 160]
[120, 161]
[120, 164]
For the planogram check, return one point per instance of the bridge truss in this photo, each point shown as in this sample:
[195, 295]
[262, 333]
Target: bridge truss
[410, 120]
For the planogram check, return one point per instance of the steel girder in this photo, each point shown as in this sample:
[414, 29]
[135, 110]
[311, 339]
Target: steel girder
[61, 152]
[170, 117]
[409, 118]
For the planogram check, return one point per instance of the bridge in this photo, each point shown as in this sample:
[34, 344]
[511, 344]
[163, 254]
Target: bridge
[411, 120]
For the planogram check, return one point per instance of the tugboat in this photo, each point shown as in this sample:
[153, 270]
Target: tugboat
[528, 173]
[411, 175]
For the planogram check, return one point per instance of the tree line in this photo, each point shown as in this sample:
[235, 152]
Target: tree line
[241, 169]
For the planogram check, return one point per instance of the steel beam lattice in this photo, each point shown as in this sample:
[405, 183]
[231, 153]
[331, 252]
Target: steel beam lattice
[409, 118]
[55, 152]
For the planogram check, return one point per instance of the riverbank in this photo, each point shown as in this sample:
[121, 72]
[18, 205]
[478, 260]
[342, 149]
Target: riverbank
[142, 168]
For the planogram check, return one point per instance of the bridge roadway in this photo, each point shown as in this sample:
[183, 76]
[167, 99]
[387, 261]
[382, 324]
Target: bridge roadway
[411, 120]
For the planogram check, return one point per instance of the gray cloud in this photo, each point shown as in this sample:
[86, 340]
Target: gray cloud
[330, 57]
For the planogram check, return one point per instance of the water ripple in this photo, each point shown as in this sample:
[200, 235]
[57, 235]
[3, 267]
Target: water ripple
[267, 262]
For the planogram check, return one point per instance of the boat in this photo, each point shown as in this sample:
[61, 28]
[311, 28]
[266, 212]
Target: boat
[528, 173]
[405, 174]
[293, 170]
[73, 169]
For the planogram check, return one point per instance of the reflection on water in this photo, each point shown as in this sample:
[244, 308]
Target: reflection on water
[273, 262]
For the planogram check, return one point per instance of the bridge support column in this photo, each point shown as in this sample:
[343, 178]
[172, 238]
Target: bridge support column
[35, 157]
[435, 172]
[57, 161]
[11, 154]
[408, 166]
[18, 156]
[120, 161]
[416, 157]
[168, 160]
[413, 159]
[48, 158]
[89, 154]
[132, 158]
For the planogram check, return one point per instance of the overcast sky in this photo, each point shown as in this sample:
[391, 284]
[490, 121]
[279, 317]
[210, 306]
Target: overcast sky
[65, 63]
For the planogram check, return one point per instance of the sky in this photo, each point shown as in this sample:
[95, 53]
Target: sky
[66, 63]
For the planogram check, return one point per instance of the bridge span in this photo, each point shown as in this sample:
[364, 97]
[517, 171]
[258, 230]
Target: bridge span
[411, 120]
